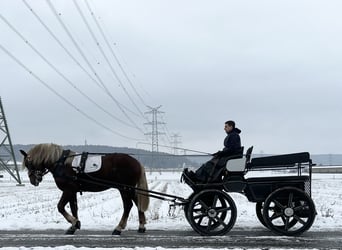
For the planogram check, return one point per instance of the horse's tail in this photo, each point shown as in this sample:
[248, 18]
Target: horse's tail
[143, 197]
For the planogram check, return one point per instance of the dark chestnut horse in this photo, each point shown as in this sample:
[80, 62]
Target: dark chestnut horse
[117, 170]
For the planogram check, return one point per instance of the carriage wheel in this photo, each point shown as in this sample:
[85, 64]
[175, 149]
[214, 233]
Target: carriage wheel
[289, 211]
[212, 212]
[259, 209]
[186, 207]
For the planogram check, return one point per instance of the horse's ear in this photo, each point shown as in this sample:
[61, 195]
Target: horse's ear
[23, 153]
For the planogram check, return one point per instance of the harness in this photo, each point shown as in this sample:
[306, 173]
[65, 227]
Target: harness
[57, 170]
[81, 168]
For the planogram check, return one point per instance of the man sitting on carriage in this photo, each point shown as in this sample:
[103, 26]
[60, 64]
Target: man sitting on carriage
[232, 149]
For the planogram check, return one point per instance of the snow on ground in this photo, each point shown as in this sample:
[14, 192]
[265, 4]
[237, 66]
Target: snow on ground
[34, 208]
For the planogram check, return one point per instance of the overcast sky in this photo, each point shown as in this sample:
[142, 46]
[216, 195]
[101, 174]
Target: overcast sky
[274, 67]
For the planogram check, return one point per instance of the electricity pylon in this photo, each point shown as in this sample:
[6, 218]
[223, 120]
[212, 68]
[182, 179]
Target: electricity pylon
[154, 133]
[175, 143]
[6, 148]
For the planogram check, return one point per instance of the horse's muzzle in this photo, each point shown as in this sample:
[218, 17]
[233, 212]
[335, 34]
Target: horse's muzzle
[35, 178]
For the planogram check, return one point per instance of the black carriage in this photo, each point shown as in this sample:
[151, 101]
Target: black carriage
[283, 203]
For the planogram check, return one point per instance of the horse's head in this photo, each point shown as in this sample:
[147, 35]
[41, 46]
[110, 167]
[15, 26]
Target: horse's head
[35, 173]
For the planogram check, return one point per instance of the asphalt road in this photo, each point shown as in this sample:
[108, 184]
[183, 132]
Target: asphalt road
[237, 238]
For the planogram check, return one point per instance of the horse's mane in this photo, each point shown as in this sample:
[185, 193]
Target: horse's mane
[46, 153]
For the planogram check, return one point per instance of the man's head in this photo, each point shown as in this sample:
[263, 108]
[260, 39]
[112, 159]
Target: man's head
[229, 126]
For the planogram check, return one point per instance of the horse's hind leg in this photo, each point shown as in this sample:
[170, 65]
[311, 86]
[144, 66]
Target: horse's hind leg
[142, 218]
[71, 198]
[127, 204]
[142, 222]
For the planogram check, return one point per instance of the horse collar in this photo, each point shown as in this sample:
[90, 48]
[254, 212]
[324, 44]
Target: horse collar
[57, 169]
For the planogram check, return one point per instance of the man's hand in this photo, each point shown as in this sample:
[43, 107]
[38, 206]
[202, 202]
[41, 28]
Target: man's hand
[218, 153]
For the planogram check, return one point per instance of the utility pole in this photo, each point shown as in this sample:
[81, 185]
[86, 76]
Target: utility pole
[175, 142]
[6, 148]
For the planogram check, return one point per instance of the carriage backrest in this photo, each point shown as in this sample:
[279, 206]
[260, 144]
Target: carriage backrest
[239, 165]
[284, 160]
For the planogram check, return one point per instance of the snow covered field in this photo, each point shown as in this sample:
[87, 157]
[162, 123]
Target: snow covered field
[34, 208]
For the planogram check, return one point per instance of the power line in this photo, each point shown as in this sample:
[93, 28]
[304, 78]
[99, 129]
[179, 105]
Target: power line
[112, 52]
[60, 43]
[98, 44]
[59, 72]
[123, 61]
[61, 96]
[120, 106]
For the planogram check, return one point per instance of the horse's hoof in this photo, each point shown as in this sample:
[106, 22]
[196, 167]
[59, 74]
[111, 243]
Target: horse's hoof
[78, 225]
[116, 232]
[141, 230]
[71, 231]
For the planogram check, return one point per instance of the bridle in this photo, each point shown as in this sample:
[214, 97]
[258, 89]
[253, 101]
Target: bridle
[56, 169]
[32, 171]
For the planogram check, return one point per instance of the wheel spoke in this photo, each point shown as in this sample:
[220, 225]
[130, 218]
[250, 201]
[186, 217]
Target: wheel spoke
[223, 209]
[199, 222]
[199, 216]
[214, 201]
[299, 219]
[278, 204]
[289, 204]
[301, 207]
[209, 224]
[203, 204]
[220, 221]
[286, 223]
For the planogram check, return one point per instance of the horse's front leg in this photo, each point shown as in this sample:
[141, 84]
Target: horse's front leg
[72, 199]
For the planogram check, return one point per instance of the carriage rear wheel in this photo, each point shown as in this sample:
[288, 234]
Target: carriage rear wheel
[289, 211]
[259, 206]
[211, 212]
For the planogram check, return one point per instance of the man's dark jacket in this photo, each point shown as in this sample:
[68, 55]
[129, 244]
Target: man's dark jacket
[232, 143]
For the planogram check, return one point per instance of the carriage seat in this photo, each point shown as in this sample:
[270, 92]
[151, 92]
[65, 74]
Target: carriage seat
[280, 160]
[239, 165]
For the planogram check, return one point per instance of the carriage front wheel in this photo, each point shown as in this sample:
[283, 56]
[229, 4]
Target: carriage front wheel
[289, 211]
[211, 212]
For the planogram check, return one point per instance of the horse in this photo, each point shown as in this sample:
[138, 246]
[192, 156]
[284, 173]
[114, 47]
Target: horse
[117, 170]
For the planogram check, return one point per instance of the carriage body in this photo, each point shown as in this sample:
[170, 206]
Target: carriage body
[283, 202]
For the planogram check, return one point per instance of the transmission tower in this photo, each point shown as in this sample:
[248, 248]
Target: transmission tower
[175, 142]
[6, 148]
[154, 123]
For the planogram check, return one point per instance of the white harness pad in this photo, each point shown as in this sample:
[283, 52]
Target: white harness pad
[93, 163]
